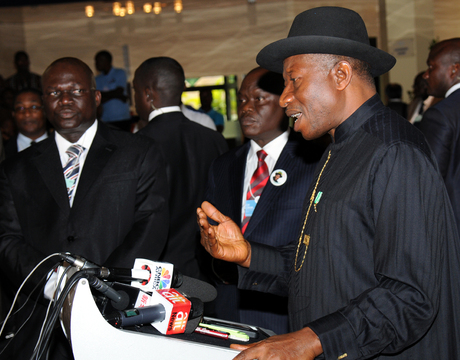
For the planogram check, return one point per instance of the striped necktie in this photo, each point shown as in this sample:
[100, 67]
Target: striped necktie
[72, 168]
[256, 186]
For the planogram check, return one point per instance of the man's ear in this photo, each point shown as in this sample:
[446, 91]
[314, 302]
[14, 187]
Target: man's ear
[98, 96]
[455, 74]
[342, 74]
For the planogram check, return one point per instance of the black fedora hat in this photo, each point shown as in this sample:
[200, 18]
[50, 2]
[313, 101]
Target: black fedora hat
[326, 30]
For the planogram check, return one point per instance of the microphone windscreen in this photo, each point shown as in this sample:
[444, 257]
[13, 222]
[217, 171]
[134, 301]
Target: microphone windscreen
[192, 287]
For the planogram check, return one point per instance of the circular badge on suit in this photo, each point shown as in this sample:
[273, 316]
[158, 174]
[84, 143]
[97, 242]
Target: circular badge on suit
[278, 177]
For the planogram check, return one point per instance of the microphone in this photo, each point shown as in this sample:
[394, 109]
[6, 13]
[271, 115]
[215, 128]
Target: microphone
[164, 276]
[111, 274]
[120, 299]
[167, 310]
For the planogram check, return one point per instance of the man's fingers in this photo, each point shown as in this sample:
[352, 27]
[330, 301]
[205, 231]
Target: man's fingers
[245, 355]
[211, 211]
[240, 347]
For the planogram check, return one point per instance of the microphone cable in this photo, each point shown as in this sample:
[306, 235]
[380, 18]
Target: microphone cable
[48, 327]
[50, 304]
[20, 288]
[39, 285]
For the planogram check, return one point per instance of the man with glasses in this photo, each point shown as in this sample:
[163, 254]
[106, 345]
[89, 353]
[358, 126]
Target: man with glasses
[30, 121]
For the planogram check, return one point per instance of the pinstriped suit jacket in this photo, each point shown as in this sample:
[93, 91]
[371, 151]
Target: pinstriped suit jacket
[275, 222]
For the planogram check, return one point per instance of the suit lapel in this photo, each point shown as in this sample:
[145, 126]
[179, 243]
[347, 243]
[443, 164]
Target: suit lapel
[48, 165]
[271, 193]
[99, 154]
[236, 171]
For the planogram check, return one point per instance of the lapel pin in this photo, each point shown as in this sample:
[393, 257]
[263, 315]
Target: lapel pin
[278, 177]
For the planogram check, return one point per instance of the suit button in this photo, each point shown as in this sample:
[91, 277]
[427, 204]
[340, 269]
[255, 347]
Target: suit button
[70, 239]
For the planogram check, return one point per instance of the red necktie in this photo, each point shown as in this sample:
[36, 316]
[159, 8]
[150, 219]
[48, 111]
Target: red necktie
[256, 186]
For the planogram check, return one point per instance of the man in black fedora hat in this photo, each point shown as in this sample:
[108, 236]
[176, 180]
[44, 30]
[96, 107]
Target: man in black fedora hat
[373, 272]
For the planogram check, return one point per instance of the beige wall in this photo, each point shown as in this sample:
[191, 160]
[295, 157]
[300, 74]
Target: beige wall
[210, 37]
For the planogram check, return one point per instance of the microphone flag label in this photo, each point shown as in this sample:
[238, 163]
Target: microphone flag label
[177, 309]
[160, 275]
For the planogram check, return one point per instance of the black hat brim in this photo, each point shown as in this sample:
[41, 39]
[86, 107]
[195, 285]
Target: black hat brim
[272, 56]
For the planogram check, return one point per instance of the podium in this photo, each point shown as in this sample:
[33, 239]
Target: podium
[92, 337]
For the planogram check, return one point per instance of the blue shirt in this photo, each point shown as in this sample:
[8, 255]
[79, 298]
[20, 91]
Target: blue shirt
[115, 109]
[217, 117]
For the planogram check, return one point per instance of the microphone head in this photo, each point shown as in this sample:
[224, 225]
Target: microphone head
[194, 288]
[123, 303]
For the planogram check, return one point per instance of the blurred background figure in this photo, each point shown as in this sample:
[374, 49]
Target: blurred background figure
[441, 122]
[112, 84]
[393, 93]
[7, 125]
[206, 107]
[23, 79]
[419, 95]
[30, 120]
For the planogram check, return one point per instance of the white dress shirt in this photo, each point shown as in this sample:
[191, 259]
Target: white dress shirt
[85, 140]
[273, 150]
[452, 89]
[163, 110]
[24, 142]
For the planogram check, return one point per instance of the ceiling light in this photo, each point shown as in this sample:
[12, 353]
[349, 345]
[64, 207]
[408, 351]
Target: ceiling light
[130, 7]
[116, 8]
[89, 11]
[178, 6]
[147, 8]
[157, 7]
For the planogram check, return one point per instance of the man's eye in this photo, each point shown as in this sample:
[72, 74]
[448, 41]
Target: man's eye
[54, 93]
[35, 107]
[77, 92]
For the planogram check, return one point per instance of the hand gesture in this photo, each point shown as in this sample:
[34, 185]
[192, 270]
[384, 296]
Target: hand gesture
[225, 240]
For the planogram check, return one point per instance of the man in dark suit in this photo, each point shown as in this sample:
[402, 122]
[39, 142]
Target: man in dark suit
[30, 120]
[113, 210]
[291, 162]
[187, 147]
[441, 122]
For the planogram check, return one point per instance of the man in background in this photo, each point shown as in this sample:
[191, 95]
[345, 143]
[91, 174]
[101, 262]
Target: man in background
[112, 84]
[30, 120]
[23, 79]
[187, 148]
[441, 122]
[266, 204]
[206, 107]
[393, 93]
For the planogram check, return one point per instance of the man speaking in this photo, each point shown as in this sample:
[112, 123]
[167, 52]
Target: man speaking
[373, 271]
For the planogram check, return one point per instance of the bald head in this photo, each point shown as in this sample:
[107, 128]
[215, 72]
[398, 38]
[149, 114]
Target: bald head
[164, 75]
[158, 82]
[75, 63]
[449, 47]
[443, 67]
[70, 97]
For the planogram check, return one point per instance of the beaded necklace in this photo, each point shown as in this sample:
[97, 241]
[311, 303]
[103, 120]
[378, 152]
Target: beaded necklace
[306, 237]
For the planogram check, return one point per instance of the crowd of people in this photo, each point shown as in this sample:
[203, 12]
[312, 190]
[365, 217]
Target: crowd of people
[340, 234]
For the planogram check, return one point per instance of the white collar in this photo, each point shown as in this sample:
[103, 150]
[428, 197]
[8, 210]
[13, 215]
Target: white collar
[85, 140]
[163, 110]
[274, 147]
[452, 89]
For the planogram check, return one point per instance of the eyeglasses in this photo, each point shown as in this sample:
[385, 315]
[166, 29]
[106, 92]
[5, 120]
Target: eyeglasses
[23, 109]
[75, 93]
